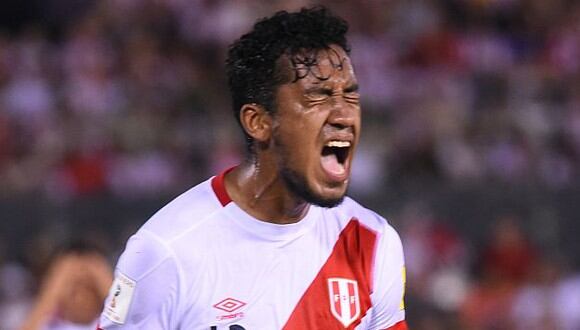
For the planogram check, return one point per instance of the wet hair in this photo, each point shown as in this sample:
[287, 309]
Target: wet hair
[251, 66]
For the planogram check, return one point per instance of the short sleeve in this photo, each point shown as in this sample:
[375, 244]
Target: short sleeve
[388, 308]
[144, 292]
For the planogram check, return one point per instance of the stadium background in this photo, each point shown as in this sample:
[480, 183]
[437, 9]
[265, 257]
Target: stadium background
[470, 147]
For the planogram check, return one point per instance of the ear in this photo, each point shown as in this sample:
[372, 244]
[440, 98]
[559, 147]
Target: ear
[257, 122]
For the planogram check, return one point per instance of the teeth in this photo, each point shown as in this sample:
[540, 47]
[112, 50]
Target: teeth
[339, 144]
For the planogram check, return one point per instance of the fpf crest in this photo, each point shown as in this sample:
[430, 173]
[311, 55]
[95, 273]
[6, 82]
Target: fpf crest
[344, 300]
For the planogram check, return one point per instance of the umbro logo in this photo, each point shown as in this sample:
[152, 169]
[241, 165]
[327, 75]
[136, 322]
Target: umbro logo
[232, 307]
[229, 305]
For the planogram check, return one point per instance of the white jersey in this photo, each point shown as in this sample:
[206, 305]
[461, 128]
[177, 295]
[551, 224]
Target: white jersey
[201, 262]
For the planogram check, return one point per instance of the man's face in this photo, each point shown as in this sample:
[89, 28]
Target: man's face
[317, 125]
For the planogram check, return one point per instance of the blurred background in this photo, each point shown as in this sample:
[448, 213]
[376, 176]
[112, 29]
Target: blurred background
[470, 146]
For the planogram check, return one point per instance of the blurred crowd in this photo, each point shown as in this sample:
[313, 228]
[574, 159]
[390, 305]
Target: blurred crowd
[508, 282]
[129, 98]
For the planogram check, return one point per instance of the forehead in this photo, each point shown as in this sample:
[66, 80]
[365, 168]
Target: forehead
[318, 66]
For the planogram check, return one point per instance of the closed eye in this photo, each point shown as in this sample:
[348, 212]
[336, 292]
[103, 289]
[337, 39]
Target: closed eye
[351, 94]
[319, 91]
[321, 94]
[351, 89]
[318, 94]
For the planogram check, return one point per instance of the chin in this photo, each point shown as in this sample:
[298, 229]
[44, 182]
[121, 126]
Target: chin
[326, 202]
[300, 187]
[319, 199]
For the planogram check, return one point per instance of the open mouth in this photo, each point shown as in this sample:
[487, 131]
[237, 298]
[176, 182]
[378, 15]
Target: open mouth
[334, 158]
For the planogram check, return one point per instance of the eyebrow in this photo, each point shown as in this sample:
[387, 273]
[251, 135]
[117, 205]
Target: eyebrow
[352, 88]
[317, 88]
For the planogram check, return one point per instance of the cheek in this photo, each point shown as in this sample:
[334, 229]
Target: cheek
[300, 131]
[295, 154]
[297, 138]
[304, 124]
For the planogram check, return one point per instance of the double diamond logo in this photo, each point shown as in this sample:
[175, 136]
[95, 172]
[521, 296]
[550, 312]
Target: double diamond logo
[229, 305]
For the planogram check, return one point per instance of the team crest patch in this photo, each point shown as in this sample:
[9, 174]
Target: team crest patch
[120, 296]
[344, 300]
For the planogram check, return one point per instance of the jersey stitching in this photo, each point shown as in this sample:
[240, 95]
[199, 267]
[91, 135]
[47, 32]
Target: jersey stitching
[195, 225]
[385, 235]
[169, 252]
[171, 255]
[387, 243]
[373, 257]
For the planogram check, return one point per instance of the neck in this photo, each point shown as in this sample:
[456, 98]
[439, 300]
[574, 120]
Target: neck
[261, 192]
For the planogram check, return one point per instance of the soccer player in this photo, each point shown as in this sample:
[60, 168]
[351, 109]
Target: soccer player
[272, 243]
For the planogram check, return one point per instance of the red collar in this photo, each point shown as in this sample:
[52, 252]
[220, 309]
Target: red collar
[219, 187]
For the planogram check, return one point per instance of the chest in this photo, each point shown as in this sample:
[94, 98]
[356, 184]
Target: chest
[305, 284]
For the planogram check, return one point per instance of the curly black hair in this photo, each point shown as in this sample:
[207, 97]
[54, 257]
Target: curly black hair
[251, 64]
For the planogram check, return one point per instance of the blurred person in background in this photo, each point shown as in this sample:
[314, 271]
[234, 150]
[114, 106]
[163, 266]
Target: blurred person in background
[273, 242]
[72, 292]
[16, 295]
[15, 290]
[549, 299]
[534, 303]
[509, 255]
[507, 261]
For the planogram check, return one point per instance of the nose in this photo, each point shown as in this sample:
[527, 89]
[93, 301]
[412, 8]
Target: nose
[343, 114]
